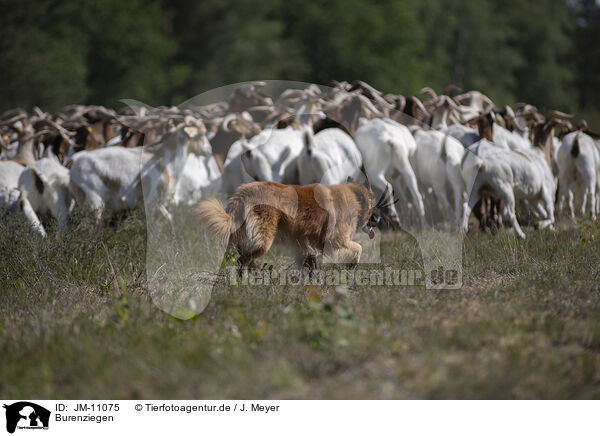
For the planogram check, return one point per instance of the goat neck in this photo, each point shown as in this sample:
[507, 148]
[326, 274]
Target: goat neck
[25, 153]
[412, 118]
[171, 153]
[485, 126]
[441, 113]
[542, 138]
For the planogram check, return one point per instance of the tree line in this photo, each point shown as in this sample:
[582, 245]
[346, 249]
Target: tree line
[54, 53]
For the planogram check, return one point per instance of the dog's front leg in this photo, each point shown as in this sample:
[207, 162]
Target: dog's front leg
[305, 261]
[349, 253]
[309, 262]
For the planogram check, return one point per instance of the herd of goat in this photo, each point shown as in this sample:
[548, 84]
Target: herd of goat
[459, 154]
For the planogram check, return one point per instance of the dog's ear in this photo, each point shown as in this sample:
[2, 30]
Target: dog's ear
[368, 184]
[365, 179]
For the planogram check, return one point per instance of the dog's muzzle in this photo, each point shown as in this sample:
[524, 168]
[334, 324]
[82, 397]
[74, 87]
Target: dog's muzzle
[369, 231]
[369, 227]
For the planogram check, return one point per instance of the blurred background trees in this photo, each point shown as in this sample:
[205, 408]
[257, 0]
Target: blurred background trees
[54, 53]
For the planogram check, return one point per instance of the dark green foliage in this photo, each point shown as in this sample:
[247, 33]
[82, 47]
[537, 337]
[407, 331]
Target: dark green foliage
[42, 54]
[347, 40]
[127, 51]
[542, 33]
[587, 54]
[470, 47]
[164, 52]
[224, 42]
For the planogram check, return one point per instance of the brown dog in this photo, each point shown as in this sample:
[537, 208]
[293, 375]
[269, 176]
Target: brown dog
[311, 220]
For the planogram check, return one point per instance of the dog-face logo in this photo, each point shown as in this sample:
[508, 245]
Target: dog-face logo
[26, 415]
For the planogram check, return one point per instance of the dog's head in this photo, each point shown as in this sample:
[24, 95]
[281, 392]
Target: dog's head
[376, 213]
[379, 211]
[369, 214]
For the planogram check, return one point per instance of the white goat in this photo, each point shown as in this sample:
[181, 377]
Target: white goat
[437, 164]
[509, 175]
[9, 174]
[386, 147]
[466, 135]
[270, 156]
[118, 178]
[513, 140]
[200, 178]
[13, 201]
[518, 140]
[45, 184]
[329, 157]
[578, 160]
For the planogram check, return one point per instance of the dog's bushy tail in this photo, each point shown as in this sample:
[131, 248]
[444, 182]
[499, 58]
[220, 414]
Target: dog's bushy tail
[218, 222]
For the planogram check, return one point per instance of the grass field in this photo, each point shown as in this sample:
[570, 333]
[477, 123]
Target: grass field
[76, 321]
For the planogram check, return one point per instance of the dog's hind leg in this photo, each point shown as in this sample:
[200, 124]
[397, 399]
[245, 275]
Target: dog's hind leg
[246, 263]
[261, 243]
[307, 263]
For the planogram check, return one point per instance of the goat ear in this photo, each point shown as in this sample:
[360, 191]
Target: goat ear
[307, 138]
[284, 155]
[39, 179]
[364, 179]
[485, 126]
[245, 146]
[245, 161]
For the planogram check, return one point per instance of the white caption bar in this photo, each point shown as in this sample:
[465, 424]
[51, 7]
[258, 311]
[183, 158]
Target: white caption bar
[299, 417]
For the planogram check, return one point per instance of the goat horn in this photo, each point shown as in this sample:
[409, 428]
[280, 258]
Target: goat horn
[53, 124]
[451, 102]
[553, 113]
[525, 108]
[509, 111]
[37, 135]
[369, 105]
[427, 90]
[420, 105]
[13, 120]
[227, 120]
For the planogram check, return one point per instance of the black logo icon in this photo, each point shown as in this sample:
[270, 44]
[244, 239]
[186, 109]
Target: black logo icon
[26, 415]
